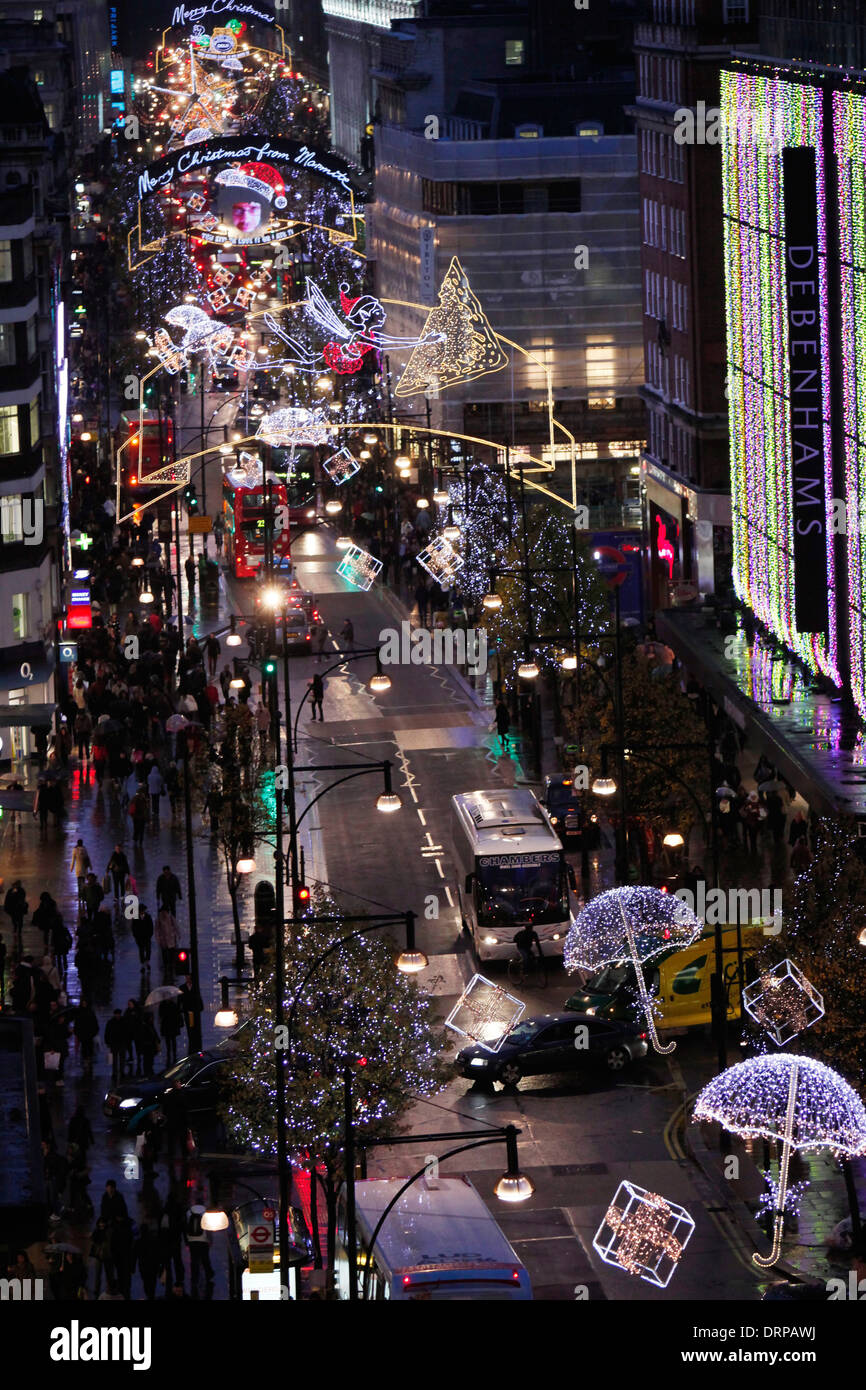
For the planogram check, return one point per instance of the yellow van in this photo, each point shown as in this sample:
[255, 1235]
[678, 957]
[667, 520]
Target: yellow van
[680, 981]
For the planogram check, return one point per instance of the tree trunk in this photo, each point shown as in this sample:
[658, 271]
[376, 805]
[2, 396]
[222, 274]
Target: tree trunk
[331, 1200]
[231, 881]
[314, 1215]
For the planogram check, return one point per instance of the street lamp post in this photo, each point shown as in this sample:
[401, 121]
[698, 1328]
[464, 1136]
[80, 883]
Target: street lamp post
[195, 1022]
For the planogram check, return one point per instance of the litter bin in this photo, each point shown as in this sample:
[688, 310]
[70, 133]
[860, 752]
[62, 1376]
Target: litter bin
[265, 905]
[210, 585]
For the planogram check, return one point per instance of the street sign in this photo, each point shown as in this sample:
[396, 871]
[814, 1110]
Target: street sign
[612, 565]
[261, 1248]
[199, 525]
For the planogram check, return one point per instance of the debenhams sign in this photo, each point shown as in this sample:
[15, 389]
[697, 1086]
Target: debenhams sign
[183, 16]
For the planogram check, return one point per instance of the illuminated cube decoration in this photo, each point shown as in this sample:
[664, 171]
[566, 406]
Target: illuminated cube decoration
[644, 1234]
[218, 299]
[484, 1013]
[775, 239]
[341, 466]
[441, 561]
[221, 275]
[783, 1002]
[359, 568]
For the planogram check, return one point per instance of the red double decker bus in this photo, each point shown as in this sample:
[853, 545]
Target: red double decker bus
[150, 441]
[250, 518]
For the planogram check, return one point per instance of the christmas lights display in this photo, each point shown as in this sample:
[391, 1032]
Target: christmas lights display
[798, 1101]
[293, 425]
[356, 1010]
[763, 456]
[631, 924]
[341, 466]
[441, 561]
[484, 1013]
[457, 343]
[783, 1002]
[849, 143]
[359, 568]
[644, 1234]
[357, 333]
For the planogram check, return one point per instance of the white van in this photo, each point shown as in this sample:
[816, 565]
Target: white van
[511, 871]
[439, 1242]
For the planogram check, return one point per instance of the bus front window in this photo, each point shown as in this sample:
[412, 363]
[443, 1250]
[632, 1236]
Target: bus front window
[520, 892]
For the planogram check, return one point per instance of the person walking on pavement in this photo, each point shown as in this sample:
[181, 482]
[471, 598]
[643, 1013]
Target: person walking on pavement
[142, 934]
[189, 571]
[319, 641]
[45, 916]
[137, 813]
[168, 889]
[83, 732]
[166, 939]
[156, 787]
[258, 944]
[118, 867]
[263, 724]
[503, 723]
[15, 903]
[85, 1027]
[213, 651]
[317, 688]
[132, 1022]
[79, 1130]
[115, 1040]
[422, 598]
[100, 1255]
[191, 1004]
[92, 894]
[169, 1026]
[61, 943]
[347, 633]
[171, 1225]
[79, 866]
[198, 1244]
[113, 1204]
[148, 1044]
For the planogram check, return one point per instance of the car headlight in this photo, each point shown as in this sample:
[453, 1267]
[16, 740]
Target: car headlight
[130, 1103]
[478, 1062]
[556, 936]
[310, 515]
[491, 940]
[590, 1013]
[554, 820]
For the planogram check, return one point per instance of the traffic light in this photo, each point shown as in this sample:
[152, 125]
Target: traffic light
[301, 897]
[190, 497]
[181, 960]
[269, 666]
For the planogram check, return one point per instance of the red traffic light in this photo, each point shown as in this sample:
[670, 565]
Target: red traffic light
[303, 894]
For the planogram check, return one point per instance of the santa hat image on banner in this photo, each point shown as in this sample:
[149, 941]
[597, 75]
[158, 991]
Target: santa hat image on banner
[263, 181]
[347, 304]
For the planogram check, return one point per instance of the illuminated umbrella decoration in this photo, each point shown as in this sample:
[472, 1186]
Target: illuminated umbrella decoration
[795, 1100]
[631, 923]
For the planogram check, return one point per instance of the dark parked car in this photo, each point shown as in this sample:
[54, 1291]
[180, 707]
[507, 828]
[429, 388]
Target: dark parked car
[567, 813]
[127, 1101]
[553, 1043]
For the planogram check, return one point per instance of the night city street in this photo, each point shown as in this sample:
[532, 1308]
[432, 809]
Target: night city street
[433, 672]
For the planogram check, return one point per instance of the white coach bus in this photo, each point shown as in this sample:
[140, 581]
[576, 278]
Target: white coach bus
[511, 871]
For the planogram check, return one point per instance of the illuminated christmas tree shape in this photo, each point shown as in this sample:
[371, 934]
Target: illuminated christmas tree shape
[457, 344]
[783, 1002]
[341, 466]
[633, 924]
[441, 561]
[359, 568]
[644, 1234]
[795, 1100]
[484, 1013]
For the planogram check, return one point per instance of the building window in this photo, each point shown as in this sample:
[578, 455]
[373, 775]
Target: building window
[35, 430]
[591, 128]
[5, 262]
[31, 337]
[514, 53]
[39, 77]
[20, 616]
[9, 436]
[7, 344]
[736, 11]
[528, 132]
[38, 16]
[11, 523]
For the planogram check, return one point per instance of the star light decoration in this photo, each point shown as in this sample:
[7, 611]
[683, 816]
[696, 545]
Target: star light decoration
[783, 1002]
[485, 1013]
[644, 1234]
[441, 561]
[341, 466]
[359, 568]
[795, 1100]
[294, 425]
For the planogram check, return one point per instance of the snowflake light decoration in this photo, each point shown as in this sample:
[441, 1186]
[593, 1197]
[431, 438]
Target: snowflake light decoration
[294, 425]
[341, 466]
[783, 1002]
[441, 561]
[644, 1234]
[484, 1013]
[359, 568]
